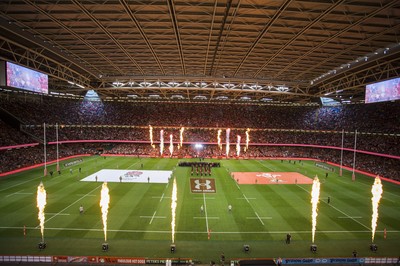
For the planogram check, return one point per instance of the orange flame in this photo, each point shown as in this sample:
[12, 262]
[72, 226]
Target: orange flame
[171, 145]
[41, 203]
[314, 200]
[238, 145]
[228, 131]
[104, 203]
[247, 139]
[151, 136]
[181, 137]
[174, 198]
[219, 139]
[377, 190]
[161, 142]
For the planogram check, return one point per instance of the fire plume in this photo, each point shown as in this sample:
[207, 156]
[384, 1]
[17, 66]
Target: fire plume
[314, 201]
[228, 132]
[151, 136]
[181, 137]
[173, 208]
[161, 142]
[238, 145]
[219, 139]
[41, 203]
[247, 139]
[171, 145]
[104, 204]
[377, 190]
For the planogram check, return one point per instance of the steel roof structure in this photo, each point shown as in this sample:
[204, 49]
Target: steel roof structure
[211, 50]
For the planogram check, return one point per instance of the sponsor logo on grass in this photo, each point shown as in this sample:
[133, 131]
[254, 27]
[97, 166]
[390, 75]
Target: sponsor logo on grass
[202, 185]
[133, 174]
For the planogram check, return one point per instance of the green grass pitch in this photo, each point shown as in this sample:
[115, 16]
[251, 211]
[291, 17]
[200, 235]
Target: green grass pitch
[139, 218]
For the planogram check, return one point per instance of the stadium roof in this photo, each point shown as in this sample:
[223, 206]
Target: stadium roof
[223, 50]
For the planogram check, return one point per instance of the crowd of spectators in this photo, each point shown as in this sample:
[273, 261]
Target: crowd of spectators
[374, 117]
[377, 125]
[379, 143]
[19, 158]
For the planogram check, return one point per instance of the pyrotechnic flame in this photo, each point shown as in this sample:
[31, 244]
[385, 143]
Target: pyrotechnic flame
[314, 200]
[173, 209]
[104, 203]
[247, 139]
[171, 145]
[238, 145]
[377, 191]
[219, 139]
[181, 137]
[41, 203]
[228, 131]
[151, 136]
[161, 142]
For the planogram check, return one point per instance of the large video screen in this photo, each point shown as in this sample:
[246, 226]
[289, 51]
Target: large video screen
[26, 79]
[388, 90]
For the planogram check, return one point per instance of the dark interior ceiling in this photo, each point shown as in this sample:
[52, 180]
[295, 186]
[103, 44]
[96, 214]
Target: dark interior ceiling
[228, 50]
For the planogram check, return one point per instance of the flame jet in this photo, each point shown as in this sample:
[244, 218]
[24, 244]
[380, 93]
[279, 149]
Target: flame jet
[151, 136]
[171, 145]
[219, 139]
[238, 145]
[314, 201]
[377, 191]
[228, 131]
[247, 139]
[173, 208]
[41, 203]
[104, 204]
[181, 137]
[161, 142]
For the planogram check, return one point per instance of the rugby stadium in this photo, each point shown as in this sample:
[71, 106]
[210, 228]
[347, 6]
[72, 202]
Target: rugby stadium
[220, 132]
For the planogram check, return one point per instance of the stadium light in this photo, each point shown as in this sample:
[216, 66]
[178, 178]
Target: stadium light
[104, 247]
[198, 146]
[313, 248]
[173, 248]
[42, 245]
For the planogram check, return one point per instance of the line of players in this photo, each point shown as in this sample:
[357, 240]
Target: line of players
[202, 169]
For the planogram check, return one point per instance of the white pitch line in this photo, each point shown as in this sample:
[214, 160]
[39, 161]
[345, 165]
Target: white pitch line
[247, 198]
[202, 198]
[155, 217]
[19, 184]
[353, 217]
[53, 213]
[205, 211]
[195, 232]
[19, 193]
[258, 216]
[339, 210]
[91, 195]
[58, 213]
[210, 217]
[154, 214]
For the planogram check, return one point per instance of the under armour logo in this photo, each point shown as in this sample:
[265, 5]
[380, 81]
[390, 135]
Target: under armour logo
[206, 184]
